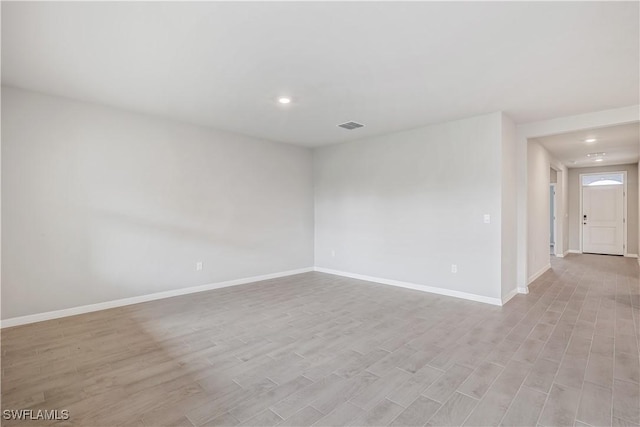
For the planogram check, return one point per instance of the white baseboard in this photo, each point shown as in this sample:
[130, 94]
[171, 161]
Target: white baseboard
[40, 317]
[513, 293]
[631, 255]
[424, 288]
[32, 318]
[510, 295]
[539, 273]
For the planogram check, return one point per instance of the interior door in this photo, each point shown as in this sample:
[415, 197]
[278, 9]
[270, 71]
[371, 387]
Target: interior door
[603, 219]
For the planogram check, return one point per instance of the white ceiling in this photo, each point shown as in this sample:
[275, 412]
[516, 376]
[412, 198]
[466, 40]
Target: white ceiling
[389, 65]
[621, 145]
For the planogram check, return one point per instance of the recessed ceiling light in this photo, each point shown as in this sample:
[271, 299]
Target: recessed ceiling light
[284, 100]
[590, 140]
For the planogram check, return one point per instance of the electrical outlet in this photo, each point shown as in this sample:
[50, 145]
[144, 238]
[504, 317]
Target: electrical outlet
[199, 266]
[333, 253]
[454, 268]
[487, 219]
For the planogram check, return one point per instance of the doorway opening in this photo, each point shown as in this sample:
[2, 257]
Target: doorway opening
[603, 202]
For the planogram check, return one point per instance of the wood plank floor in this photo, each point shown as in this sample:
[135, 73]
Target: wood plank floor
[316, 349]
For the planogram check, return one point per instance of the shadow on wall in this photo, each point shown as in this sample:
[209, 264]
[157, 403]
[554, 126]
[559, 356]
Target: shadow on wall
[134, 251]
[107, 255]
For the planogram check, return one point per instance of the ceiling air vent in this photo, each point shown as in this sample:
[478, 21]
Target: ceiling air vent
[350, 125]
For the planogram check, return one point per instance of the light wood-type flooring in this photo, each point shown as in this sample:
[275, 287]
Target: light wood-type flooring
[317, 349]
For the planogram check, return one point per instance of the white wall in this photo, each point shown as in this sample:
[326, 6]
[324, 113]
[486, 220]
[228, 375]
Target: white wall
[538, 226]
[101, 204]
[539, 164]
[632, 204]
[408, 205]
[553, 179]
[562, 206]
[509, 207]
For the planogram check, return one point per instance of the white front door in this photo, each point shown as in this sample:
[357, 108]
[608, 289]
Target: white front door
[603, 219]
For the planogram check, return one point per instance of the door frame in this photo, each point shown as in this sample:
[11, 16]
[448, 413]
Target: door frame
[624, 209]
[553, 187]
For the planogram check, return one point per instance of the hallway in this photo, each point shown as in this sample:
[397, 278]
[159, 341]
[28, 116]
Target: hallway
[591, 357]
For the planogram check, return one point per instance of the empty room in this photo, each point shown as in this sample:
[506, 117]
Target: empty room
[320, 213]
